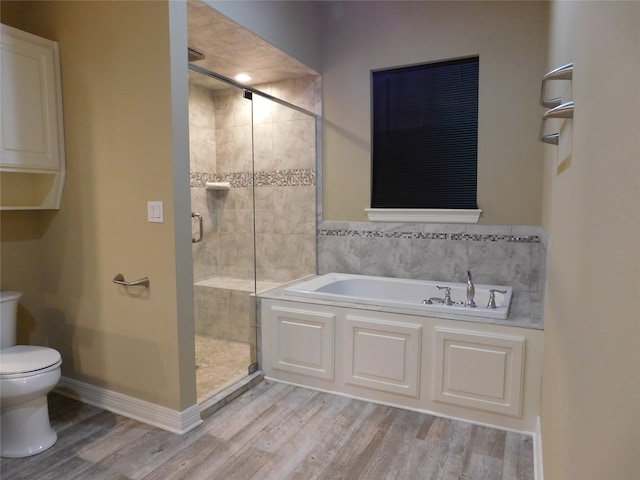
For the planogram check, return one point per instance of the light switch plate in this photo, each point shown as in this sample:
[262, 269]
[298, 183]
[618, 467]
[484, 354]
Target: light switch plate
[155, 211]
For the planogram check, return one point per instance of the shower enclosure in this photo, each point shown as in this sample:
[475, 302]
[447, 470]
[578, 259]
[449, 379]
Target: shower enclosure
[253, 197]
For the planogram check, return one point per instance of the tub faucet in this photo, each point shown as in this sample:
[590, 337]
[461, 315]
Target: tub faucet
[447, 295]
[492, 298]
[471, 291]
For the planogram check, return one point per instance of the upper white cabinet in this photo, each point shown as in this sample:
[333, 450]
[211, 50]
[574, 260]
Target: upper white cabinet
[32, 163]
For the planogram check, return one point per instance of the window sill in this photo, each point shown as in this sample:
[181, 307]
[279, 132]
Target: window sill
[417, 215]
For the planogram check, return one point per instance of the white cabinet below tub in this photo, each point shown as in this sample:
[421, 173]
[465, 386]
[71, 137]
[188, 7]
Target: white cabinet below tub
[301, 341]
[479, 370]
[32, 163]
[383, 355]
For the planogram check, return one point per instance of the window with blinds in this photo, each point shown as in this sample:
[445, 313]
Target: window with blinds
[425, 136]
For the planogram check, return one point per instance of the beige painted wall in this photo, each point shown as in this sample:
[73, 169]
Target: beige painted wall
[20, 266]
[591, 385]
[510, 38]
[116, 74]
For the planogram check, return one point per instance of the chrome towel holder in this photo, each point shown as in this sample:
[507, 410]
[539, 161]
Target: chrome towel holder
[557, 108]
[564, 110]
[561, 73]
[142, 282]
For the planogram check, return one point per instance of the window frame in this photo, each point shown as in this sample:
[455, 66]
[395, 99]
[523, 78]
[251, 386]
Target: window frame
[410, 214]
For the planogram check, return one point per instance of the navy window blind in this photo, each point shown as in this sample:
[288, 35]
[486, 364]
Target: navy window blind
[425, 136]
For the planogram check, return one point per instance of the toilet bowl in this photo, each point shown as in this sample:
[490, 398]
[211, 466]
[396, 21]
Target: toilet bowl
[27, 375]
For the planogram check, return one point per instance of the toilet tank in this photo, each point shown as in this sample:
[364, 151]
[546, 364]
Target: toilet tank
[8, 315]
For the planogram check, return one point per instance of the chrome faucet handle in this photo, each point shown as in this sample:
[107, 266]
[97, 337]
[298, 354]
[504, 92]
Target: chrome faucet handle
[447, 294]
[492, 298]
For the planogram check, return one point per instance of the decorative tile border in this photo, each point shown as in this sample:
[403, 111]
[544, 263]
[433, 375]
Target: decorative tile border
[236, 179]
[269, 178]
[496, 238]
[429, 236]
[298, 177]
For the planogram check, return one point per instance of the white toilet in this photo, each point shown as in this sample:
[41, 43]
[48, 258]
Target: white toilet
[27, 374]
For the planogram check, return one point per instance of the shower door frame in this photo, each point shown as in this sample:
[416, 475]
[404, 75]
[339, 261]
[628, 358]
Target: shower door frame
[222, 78]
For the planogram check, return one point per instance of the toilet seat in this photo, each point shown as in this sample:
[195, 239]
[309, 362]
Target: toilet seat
[27, 360]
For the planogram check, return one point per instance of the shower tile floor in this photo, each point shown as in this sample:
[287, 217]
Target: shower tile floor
[219, 364]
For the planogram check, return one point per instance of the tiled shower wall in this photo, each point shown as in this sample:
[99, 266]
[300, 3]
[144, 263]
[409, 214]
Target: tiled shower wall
[495, 254]
[202, 151]
[285, 158]
[285, 195]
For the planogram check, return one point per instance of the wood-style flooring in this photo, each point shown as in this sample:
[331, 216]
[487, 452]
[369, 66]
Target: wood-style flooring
[276, 431]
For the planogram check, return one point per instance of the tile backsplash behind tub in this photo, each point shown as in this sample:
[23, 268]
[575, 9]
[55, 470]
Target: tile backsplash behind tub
[499, 254]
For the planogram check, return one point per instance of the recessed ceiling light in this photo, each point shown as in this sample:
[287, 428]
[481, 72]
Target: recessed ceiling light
[243, 77]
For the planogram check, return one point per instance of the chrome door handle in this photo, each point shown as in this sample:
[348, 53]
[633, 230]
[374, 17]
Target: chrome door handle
[142, 282]
[199, 217]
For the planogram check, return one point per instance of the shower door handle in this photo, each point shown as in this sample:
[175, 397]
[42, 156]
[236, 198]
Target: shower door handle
[199, 217]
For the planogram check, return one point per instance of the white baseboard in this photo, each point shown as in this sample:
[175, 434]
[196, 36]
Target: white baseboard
[538, 471]
[131, 407]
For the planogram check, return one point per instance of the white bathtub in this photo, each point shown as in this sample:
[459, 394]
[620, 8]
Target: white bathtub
[397, 292]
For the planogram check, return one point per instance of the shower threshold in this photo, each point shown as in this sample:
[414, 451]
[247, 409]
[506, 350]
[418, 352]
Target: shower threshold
[219, 364]
[222, 398]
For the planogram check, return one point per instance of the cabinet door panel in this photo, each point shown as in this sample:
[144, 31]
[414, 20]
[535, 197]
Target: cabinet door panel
[302, 342]
[478, 370]
[383, 355]
[30, 104]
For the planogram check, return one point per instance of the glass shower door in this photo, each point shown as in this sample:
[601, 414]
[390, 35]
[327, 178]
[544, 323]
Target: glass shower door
[285, 188]
[253, 183]
[221, 151]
